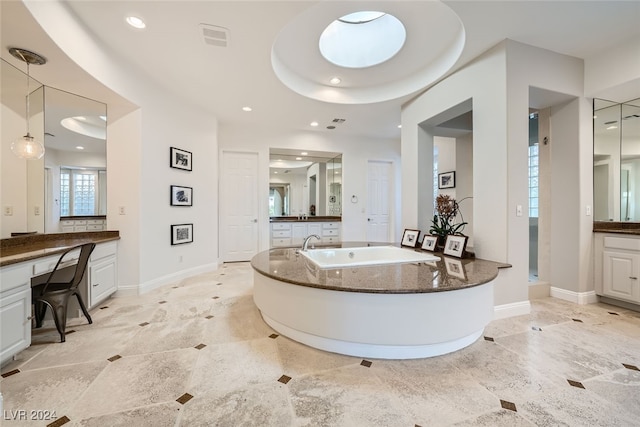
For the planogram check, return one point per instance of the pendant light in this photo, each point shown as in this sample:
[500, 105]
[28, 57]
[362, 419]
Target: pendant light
[27, 147]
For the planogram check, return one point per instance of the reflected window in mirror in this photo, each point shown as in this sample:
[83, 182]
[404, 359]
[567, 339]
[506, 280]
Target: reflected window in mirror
[79, 192]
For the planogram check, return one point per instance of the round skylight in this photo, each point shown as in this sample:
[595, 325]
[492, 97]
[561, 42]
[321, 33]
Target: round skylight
[362, 39]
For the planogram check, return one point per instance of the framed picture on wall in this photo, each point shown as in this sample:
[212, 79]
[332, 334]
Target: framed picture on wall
[429, 243]
[180, 159]
[181, 233]
[447, 180]
[454, 246]
[410, 238]
[181, 196]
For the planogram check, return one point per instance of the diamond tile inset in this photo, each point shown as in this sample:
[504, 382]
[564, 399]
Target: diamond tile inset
[215, 297]
[209, 317]
[162, 302]
[489, 339]
[274, 336]
[632, 367]
[60, 421]
[184, 398]
[114, 358]
[284, 379]
[577, 320]
[508, 405]
[144, 324]
[8, 374]
[575, 384]
[102, 308]
[614, 313]
[536, 328]
[200, 346]
[366, 363]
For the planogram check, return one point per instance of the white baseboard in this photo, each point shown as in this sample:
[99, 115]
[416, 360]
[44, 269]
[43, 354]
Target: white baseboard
[581, 298]
[510, 310]
[133, 290]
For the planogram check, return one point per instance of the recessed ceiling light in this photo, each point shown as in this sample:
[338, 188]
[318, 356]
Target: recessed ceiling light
[80, 147]
[84, 119]
[136, 22]
[103, 118]
[247, 109]
[612, 127]
[335, 80]
[298, 158]
[304, 153]
[314, 124]
[399, 126]
[275, 171]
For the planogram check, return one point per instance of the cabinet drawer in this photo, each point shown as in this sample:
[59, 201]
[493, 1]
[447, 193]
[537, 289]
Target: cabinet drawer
[93, 227]
[281, 233]
[331, 225]
[104, 250]
[67, 223]
[47, 264]
[330, 232]
[279, 226]
[80, 222]
[95, 222]
[80, 228]
[622, 243]
[281, 242]
[331, 240]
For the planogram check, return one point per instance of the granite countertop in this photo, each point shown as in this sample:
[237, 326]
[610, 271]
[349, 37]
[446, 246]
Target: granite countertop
[448, 274]
[632, 228]
[307, 219]
[25, 248]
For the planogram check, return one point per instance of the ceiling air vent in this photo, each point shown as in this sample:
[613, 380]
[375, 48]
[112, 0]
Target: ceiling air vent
[215, 36]
[338, 121]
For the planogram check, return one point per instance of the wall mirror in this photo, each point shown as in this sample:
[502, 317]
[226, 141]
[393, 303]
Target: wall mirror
[616, 155]
[305, 182]
[75, 163]
[69, 181]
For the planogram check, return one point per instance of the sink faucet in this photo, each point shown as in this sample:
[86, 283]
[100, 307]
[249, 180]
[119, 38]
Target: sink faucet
[306, 241]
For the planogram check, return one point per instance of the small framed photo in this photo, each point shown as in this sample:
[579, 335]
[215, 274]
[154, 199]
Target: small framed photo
[410, 238]
[447, 180]
[180, 159]
[454, 246]
[429, 243]
[181, 233]
[181, 196]
[455, 268]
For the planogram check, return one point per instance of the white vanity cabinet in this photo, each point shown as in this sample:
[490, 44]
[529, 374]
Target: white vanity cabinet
[15, 310]
[288, 234]
[617, 267]
[103, 270]
[79, 225]
[15, 292]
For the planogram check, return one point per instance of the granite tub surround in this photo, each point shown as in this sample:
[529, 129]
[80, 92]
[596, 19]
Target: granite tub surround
[227, 367]
[632, 228]
[370, 310]
[24, 248]
[287, 265]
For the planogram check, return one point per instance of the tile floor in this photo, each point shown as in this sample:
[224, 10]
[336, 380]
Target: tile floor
[198, 353]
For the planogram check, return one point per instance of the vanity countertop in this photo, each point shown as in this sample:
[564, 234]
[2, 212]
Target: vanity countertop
[629, 228]
[24, 248]
[306, 219]
[448, 274]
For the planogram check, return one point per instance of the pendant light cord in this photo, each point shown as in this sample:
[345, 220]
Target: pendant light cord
[28, 90]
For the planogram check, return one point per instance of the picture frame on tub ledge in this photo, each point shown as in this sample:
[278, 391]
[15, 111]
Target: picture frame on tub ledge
[181, 234]
[410, 238]
[454, 245]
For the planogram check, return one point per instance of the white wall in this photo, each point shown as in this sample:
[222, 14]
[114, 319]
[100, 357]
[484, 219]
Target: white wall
[140, 184]
[13, 192]
[614, 74]
[498, 83]
[356, 152]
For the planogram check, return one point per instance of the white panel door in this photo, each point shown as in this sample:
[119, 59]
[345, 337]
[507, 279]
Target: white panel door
[239, 206]
[379, 193]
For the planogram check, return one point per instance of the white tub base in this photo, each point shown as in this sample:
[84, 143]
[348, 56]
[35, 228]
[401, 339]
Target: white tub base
[375, 325]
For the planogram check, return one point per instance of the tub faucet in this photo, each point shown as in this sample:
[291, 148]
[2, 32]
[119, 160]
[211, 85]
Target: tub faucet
[306, 241]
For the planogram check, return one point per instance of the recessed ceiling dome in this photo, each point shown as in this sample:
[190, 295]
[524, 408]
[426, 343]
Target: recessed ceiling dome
[422, 41]
[362, 39]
